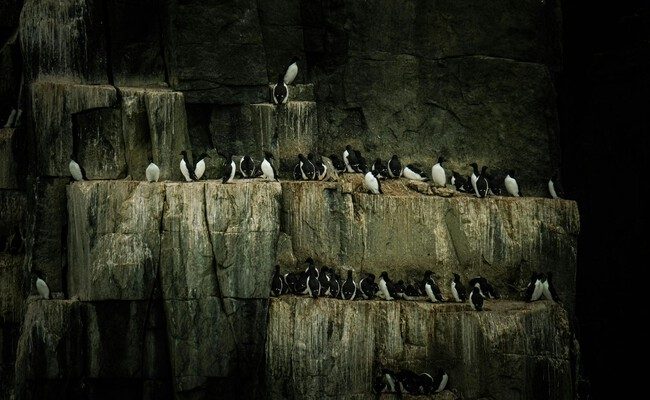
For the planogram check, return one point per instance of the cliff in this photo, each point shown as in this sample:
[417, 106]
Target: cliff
[161, 290]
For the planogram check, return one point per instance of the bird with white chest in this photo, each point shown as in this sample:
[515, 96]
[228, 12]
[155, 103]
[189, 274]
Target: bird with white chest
[152, 172]
[511, 184]
[371, 183]
[438, 175]
[291, 71]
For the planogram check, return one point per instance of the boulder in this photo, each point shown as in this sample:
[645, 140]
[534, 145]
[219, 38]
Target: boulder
[329, 348]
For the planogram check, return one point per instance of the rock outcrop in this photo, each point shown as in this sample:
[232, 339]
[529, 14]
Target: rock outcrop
[332, 349]
[161, 290]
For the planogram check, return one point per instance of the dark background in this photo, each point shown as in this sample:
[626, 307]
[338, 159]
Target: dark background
[604, 107]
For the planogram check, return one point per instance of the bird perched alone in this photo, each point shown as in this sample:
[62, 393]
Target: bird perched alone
[291, 71]
[76, 170]
[554, 187]
[511, 185]
[42, 288]
[280, 91]
[152, 172]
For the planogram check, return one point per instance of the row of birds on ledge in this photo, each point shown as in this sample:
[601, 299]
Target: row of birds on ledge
[312, 167]
[327, 282]
[407, 381]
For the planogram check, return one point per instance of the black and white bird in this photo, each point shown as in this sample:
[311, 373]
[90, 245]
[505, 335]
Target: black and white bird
[386, 382]
[367, 287]
[399, 289]
[554, 187]
[338, 165]
[408, 381]
[458, 290]
[487, 289]
[199, 169]
[152, 172]
[297, 174]
[291, 71]
[349, 288]
[76, 170]
[415, 173]
[380, 166]
[411, 293]
[535, 288]
[438, 175]
[482, 185]
[268, 170]
[371, 183]
[313, 283]
[548, 290]
[350, 159]
[319, 165]
[324, 277]
[496, 184]
[511, 185]
[42, 288]
[247, 166]
[474, 177]
[229, 168]
[307, 169]
[291, 279]
[187, 169]
[431, 288]
[277, 282]
[426, 384]
[461, 184]
[386, 289]
[335, 285]
[440, 380]
[361, 166]
[394, 167]
[476, 297]
[280, 91]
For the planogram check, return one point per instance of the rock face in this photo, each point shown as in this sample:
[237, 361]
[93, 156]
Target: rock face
[407, 233]
[162, 289]
[326, 348]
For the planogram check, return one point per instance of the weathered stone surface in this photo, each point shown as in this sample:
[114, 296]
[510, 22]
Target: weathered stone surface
[217, 51]
[499, 113]
[69, 347]
[51, 346]
[101, 144]
[52, 106]
[244, 225]
[64, 38]
[154, 125]
[46, 244]
[13, 207]
[9, 63]
[406, 233]
[113, 239]
[332, 348]
[136, 47]
[8, 178]
[252, 129]
[187, 260]
[217, 346]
